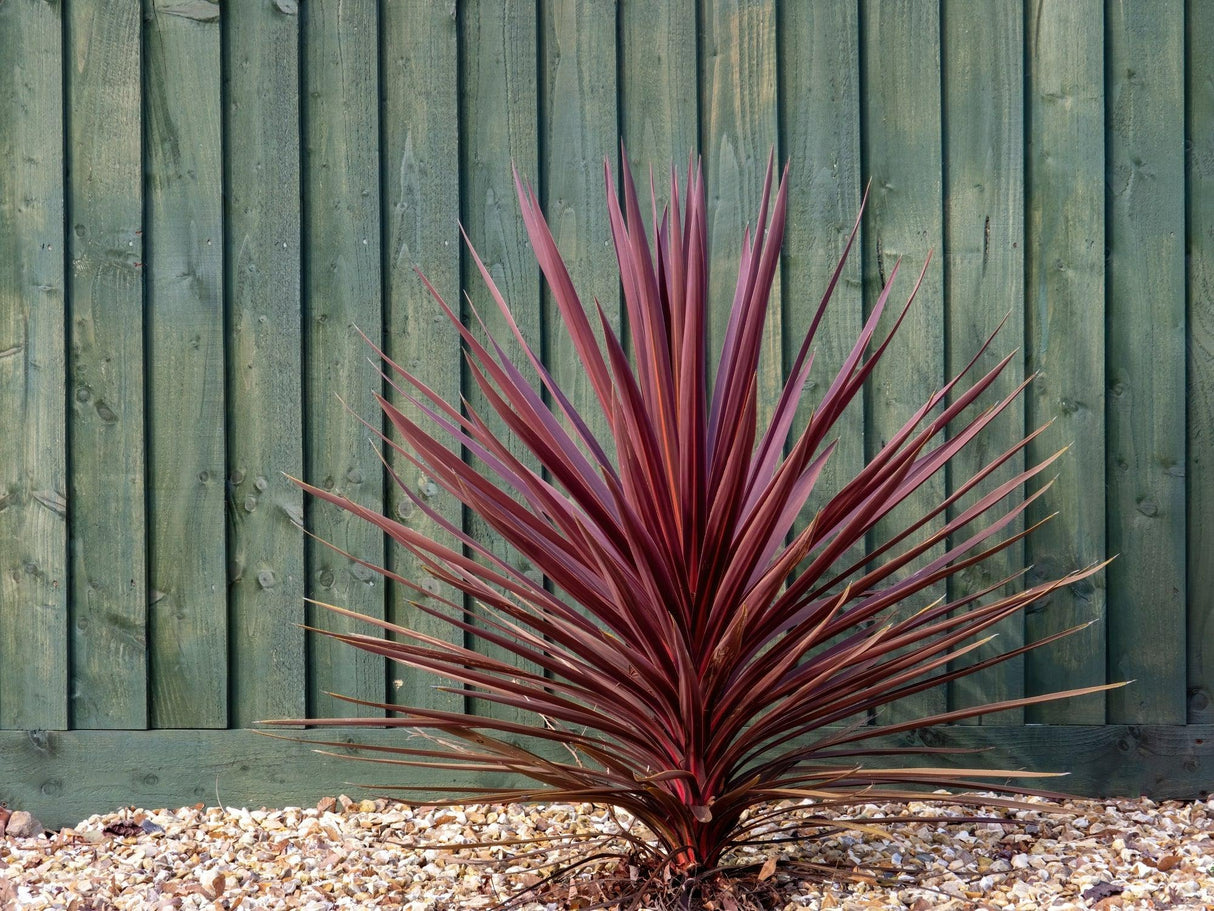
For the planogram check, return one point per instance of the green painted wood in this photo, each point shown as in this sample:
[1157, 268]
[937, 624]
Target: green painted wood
[1064, 316]
[819, 78]
[262, 259]
[34, 668]
[183, 261]
[578, 65]
[902, 157]
[577, 53]
[1146, 361]
[342, 291]
[1199, 128]
[983, 116]
[40, 771]
[738, 130]
[420, 126]
[499, 108]
[820, 138]
[106, 421]
[658, 98]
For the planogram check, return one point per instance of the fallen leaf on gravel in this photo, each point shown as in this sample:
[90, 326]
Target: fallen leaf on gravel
[123, 829]
[768, 868]
[1103, 890]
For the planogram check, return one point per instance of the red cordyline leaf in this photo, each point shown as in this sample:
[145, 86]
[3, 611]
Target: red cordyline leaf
[694, 656]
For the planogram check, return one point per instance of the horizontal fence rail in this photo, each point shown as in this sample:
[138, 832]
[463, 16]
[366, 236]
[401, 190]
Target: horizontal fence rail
[200, 205]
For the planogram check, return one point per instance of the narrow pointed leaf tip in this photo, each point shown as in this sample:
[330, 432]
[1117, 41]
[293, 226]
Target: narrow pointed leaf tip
[703, 622]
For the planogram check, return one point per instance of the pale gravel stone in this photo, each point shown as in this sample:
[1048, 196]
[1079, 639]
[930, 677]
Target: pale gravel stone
[376, 854]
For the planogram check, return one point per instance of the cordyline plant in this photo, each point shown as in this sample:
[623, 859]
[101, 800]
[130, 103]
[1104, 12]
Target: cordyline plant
[693, 659]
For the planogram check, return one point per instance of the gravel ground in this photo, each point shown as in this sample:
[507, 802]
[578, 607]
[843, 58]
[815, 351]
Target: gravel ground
[371, 854]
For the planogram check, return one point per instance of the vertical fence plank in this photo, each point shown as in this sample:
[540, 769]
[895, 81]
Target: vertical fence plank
[342, 290]
[579, 121]
[1146, 361]
[1064, 332]
[820, 136]
[420, 129]
[984, 281]
[183, 259]
[901, 116]
[105, 427]
[658, 87]
[1199, 131]
[738, 129]
[34, 669]
[498, 119]
[262, 259]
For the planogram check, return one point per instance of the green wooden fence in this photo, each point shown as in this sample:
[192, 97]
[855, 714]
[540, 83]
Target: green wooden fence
[197, 204]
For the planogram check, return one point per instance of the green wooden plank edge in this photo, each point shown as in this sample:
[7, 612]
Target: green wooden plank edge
[983, 120]
[419, 123]
[738, 131]
[34, 668]
[262, 259]
[1145, 407]
[342, 291]
[183, 261]
[820, 138]
[900, 44]
[42, 772]
[108, 594]
[498, 114]
[1199, 70]
[1064, 335]
[658, 97]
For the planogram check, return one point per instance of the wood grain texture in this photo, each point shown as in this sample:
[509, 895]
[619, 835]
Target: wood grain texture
[578, 66]
[1199, 72]
[183, 261]
[984, 282]
[264, 375]
[658, 87]
[820, 138]
[499, 114]
[40, 771]
[34, 669]
[738, 130]
[342, 291]
[421, 187]
[1146, 361]
[1064, 320]
[106, 422]
[902, 154]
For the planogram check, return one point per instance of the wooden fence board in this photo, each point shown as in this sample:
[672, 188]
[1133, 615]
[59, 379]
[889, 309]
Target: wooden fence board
[578, 67]
[266, 550]
[106, 422]
[183, 259]
[40, 771]
[820, 137]
[738, 129]
[658, 98]
[34, 670]
[901, 125]
[420, 129]
[1200, 387]
[1064, 277]
[1145, 360]
[984, 282]
[342, 290]
[499, 108]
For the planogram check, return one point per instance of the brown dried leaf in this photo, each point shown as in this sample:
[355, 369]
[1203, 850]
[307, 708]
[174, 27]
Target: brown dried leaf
[768, 868]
